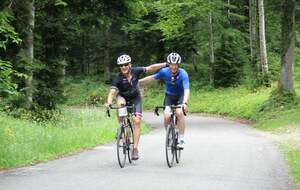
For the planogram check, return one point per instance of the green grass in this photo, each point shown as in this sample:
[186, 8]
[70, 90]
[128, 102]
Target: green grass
[23, 142]
[294, 161]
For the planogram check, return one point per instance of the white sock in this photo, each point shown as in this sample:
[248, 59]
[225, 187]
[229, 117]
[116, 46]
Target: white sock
[181, 137]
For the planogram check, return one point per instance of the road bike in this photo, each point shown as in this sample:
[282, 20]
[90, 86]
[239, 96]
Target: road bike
[173, 152]
[125, 138]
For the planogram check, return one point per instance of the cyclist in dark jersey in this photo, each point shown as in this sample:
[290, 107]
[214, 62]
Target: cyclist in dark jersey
[177, 90]
[126, 88]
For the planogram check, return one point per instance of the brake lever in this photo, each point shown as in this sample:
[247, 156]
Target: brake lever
[156, 111]
[107, 112]
[184, 113]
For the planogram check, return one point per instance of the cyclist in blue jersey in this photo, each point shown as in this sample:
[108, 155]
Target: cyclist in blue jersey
[125, 88]
[177, 91]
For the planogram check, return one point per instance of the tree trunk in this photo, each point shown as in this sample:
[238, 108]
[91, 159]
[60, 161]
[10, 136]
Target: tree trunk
[228, 11]
[288, 45]
[211, 47]
[262, 39]
[107, 70]
[29, 52]
[253, 33]
[194, 62]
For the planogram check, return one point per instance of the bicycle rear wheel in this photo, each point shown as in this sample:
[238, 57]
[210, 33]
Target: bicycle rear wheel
[121, 147]
[129, 141]
[170, 151]
[177, 149]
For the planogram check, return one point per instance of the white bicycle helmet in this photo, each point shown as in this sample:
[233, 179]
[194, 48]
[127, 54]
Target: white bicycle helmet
[174, 58]
[123, 59]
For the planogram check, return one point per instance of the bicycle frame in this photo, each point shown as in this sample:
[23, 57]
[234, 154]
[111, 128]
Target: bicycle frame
[171, 136]
[125, 137]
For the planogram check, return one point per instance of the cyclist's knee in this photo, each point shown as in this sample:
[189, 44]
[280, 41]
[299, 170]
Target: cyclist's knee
[137, 121]
[179, 113]
[121, 101]
[167, 116]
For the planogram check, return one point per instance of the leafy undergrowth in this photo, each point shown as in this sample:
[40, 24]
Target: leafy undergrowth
[85, 91]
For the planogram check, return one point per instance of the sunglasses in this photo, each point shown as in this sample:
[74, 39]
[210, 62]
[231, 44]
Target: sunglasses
[126, 64]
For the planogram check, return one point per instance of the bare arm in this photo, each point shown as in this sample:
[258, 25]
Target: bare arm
[147, 79]
[155, 67]
[186, 96]
[111, 95]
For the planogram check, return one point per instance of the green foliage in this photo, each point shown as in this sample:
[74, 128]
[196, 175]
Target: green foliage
[6, 84]
[85, 91]
[7, 32]
[50, 85]
[36, 114]
[174, 15]
[294, 161]
[95, 98]
[231, 58]
[76, 129]
[60, 2]
[279, 99]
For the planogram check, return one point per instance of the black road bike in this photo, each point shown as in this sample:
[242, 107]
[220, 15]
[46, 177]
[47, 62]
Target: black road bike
[124, 135]
[173, 152]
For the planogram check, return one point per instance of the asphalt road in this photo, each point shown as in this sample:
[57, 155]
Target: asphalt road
[219, 154]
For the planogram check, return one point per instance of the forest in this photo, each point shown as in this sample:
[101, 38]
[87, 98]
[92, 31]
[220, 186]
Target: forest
[57, 54]
[224, 43]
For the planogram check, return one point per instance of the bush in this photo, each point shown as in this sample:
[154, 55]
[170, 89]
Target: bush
[95, 98]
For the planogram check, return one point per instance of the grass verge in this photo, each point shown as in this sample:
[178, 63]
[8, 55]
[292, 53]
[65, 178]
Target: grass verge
[23, 142]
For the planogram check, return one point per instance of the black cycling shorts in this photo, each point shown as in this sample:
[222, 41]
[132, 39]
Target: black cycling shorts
[173, 100]
[137, 102]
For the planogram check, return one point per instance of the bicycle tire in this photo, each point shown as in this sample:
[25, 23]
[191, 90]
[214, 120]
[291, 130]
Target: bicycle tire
[130, 142]
[178, 150]
[169, 146]
[121, 147]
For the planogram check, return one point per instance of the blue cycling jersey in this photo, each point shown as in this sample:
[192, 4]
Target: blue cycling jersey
[177, 87]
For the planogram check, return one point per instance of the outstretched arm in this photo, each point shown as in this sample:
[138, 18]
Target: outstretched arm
[147, 79]
[154, 67]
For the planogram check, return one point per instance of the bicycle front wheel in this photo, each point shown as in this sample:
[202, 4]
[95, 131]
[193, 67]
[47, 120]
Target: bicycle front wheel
[121, 147]
[177, 149]
[129, 142]
[170, 149]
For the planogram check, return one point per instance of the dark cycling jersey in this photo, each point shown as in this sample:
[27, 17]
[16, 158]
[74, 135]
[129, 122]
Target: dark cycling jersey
[177, 85]
[128, 89]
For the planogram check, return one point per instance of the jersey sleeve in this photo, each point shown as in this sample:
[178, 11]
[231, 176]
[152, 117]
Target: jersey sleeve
[114, 83]
[140, 70]
[158, 75]
[185, 80]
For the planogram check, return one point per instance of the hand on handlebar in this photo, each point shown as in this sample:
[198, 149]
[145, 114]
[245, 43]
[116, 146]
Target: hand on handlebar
[108, 105]
[185, 108]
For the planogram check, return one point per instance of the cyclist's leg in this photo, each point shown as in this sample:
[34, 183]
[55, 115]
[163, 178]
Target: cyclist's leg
[120, 102]
[167, 111]
[180, 121]
[180, 117]
[137, 123]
